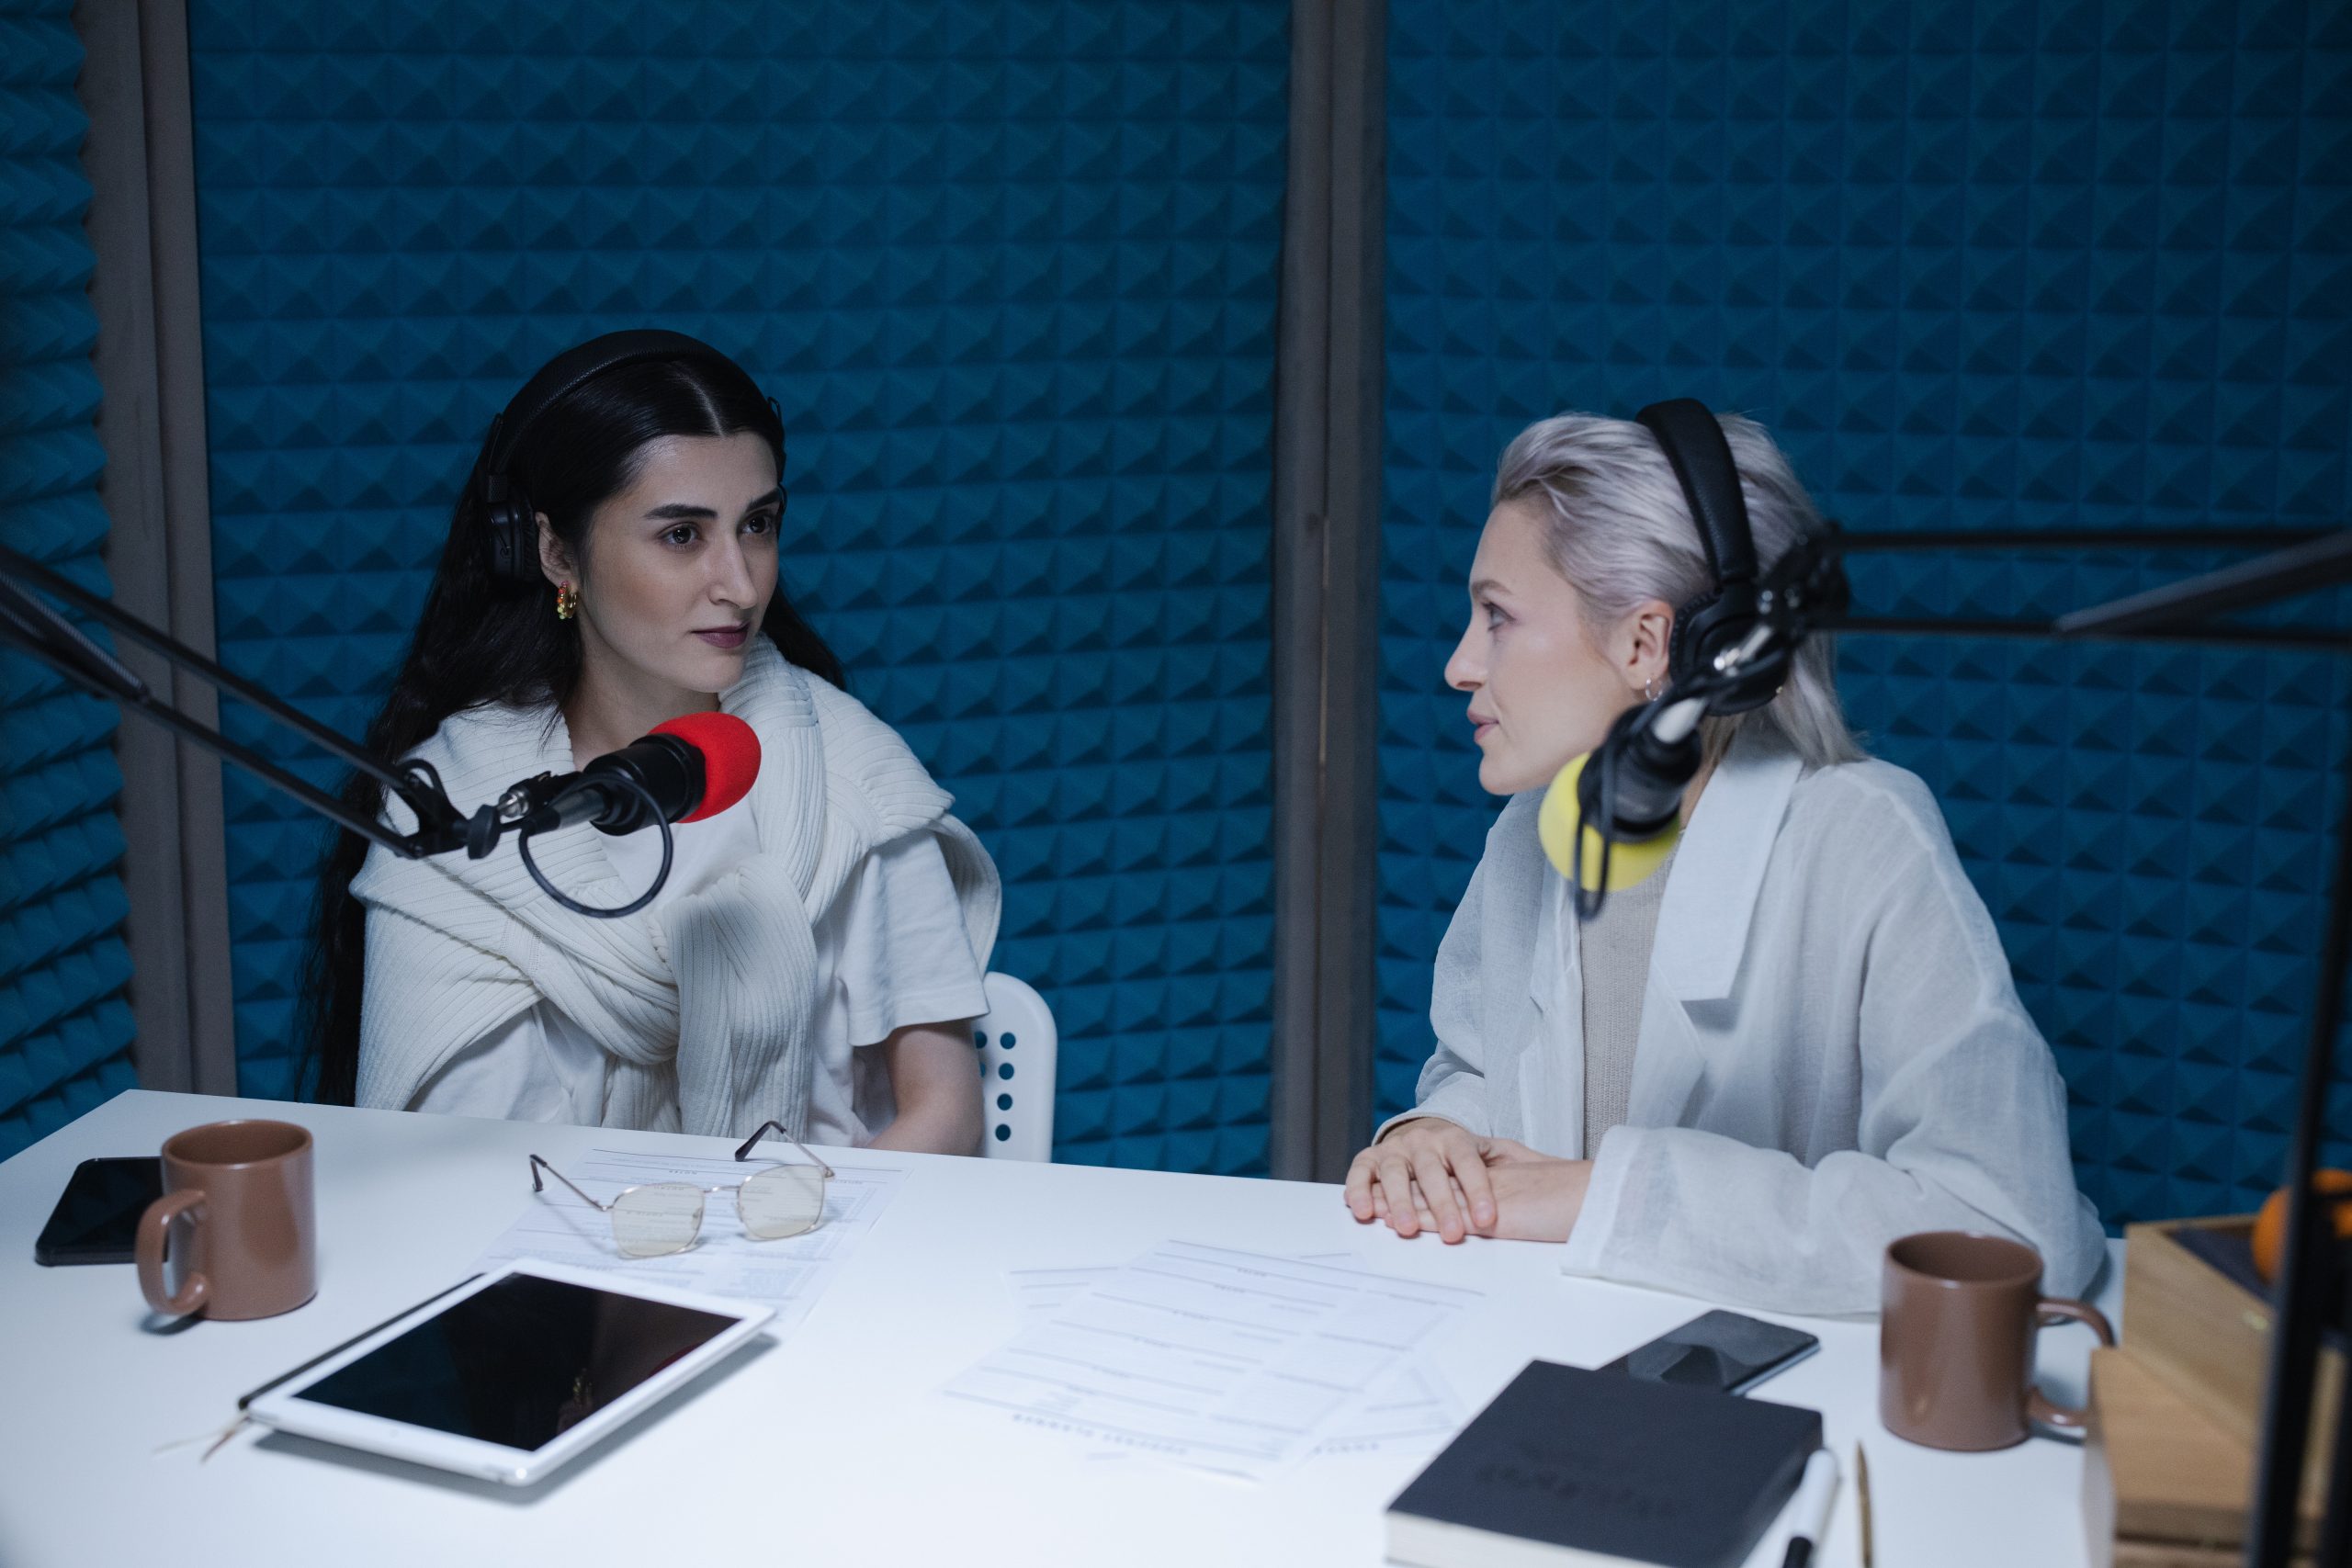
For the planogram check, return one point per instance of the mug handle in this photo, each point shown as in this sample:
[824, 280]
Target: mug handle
[2049, 1312]
[152, 1226]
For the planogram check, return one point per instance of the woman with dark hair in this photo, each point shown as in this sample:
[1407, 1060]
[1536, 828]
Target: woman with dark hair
[816, 944]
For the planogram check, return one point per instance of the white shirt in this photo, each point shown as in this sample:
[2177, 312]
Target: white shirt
[891, 950]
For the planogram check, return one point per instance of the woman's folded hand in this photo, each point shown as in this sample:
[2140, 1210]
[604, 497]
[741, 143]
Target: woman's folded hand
[1429, 1174]
[1537, 1198]
[1426, 1174]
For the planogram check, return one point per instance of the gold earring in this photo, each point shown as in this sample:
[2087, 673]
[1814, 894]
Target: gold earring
[567, 602]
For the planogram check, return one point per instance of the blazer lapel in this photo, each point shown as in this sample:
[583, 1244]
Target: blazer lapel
[1704, 921]
[1551, 1068]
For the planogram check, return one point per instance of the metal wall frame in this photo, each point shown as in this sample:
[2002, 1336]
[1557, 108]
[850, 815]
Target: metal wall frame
[139, 158]
[1326, 570]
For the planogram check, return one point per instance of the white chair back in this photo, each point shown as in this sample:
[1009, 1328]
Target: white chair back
[1018, 1044]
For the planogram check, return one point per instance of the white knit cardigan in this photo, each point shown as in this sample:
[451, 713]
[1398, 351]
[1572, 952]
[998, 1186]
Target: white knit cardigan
[702, 1004]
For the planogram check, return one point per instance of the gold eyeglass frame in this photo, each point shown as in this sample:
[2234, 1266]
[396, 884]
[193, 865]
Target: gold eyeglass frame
[743, 1152]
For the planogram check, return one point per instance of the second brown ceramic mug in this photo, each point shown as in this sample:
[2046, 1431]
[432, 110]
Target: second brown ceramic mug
[1958, 1312]
[250, 1237]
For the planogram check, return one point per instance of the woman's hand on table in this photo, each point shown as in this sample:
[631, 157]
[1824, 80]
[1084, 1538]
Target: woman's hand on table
[1458, 1184]
[1537, 1198]
[1427, 1174]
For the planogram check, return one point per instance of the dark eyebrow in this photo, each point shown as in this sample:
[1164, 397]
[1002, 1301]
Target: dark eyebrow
[685, 511]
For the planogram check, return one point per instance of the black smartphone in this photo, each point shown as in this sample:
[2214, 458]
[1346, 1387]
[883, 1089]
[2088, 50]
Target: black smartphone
[96, 1219]
[1720, 1350]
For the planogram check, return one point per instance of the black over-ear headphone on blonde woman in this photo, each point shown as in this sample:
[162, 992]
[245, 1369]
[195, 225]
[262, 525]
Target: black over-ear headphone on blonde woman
[514, 520]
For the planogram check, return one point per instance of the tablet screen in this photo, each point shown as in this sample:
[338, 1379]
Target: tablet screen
[519, 1361]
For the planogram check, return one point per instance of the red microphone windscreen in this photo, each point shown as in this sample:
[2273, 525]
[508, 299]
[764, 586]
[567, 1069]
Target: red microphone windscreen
[730, 758]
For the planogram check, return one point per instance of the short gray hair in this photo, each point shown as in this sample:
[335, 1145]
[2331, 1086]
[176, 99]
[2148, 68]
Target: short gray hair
[1619, 529]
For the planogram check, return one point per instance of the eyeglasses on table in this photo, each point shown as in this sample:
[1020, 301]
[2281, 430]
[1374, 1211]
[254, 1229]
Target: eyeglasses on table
[662, 1217]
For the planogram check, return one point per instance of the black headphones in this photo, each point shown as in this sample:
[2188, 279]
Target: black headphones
[1721, 617]
[514, 520]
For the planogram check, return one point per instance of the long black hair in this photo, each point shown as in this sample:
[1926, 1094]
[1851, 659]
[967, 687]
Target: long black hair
[482, 640]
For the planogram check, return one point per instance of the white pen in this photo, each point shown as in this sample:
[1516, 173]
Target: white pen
[1811, 1511]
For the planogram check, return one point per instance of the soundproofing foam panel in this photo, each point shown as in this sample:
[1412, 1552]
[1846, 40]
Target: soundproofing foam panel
[1008, 269]
[2000, 265]
[66, 1028]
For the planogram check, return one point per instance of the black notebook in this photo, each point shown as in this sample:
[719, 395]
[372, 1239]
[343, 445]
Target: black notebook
[1573, 1466]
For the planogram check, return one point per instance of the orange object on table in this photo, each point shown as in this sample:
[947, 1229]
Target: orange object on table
[2271, 1225]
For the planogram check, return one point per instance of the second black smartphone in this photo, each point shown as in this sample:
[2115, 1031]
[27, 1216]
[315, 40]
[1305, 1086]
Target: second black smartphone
[1724, 1350]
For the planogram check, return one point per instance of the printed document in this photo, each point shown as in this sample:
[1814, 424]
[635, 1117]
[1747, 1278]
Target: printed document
[1410, 1409]
[1227, 1360]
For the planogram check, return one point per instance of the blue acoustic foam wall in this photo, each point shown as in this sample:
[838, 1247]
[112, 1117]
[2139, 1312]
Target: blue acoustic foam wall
[64, 1026]
[1009, 271]
[1988, 265]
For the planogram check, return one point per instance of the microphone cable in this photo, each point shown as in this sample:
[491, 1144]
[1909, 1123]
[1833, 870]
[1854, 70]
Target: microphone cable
[1599, 892]
[654, 810]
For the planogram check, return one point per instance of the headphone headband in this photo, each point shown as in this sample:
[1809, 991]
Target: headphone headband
[574, 368]
[1693, 438]
[513, 521]
[1693, 441]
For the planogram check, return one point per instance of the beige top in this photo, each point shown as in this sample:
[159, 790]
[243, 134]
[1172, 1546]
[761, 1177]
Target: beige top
[1615, 960]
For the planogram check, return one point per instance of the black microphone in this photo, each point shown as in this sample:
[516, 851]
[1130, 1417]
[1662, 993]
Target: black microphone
[1646, 766]
[1613, 816]
[693, 767]
[620, 791]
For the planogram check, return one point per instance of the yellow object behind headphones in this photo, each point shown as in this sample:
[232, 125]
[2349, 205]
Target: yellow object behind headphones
[1556, 824]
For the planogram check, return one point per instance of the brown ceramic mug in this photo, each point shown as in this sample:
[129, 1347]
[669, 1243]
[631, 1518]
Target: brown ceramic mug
[250, 1243]
[1955, 1341]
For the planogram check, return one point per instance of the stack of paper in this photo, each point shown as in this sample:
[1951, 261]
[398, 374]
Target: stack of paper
[1231, 1361]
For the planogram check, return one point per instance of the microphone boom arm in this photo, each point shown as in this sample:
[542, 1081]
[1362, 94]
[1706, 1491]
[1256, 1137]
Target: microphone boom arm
[1806, 591]
[28, 623]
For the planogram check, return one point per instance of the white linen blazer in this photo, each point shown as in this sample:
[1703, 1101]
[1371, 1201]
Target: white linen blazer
[1831, 1055]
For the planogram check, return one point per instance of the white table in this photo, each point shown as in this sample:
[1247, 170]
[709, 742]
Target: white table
[834, 1446]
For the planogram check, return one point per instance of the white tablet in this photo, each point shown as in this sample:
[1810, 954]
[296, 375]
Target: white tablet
[510, 1375]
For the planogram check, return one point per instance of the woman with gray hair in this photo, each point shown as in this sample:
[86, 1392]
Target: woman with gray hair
[1795, 1042]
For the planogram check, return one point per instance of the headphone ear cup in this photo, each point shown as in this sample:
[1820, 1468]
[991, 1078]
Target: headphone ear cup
[1705, 627]
[513, 553]
[1682, 644]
